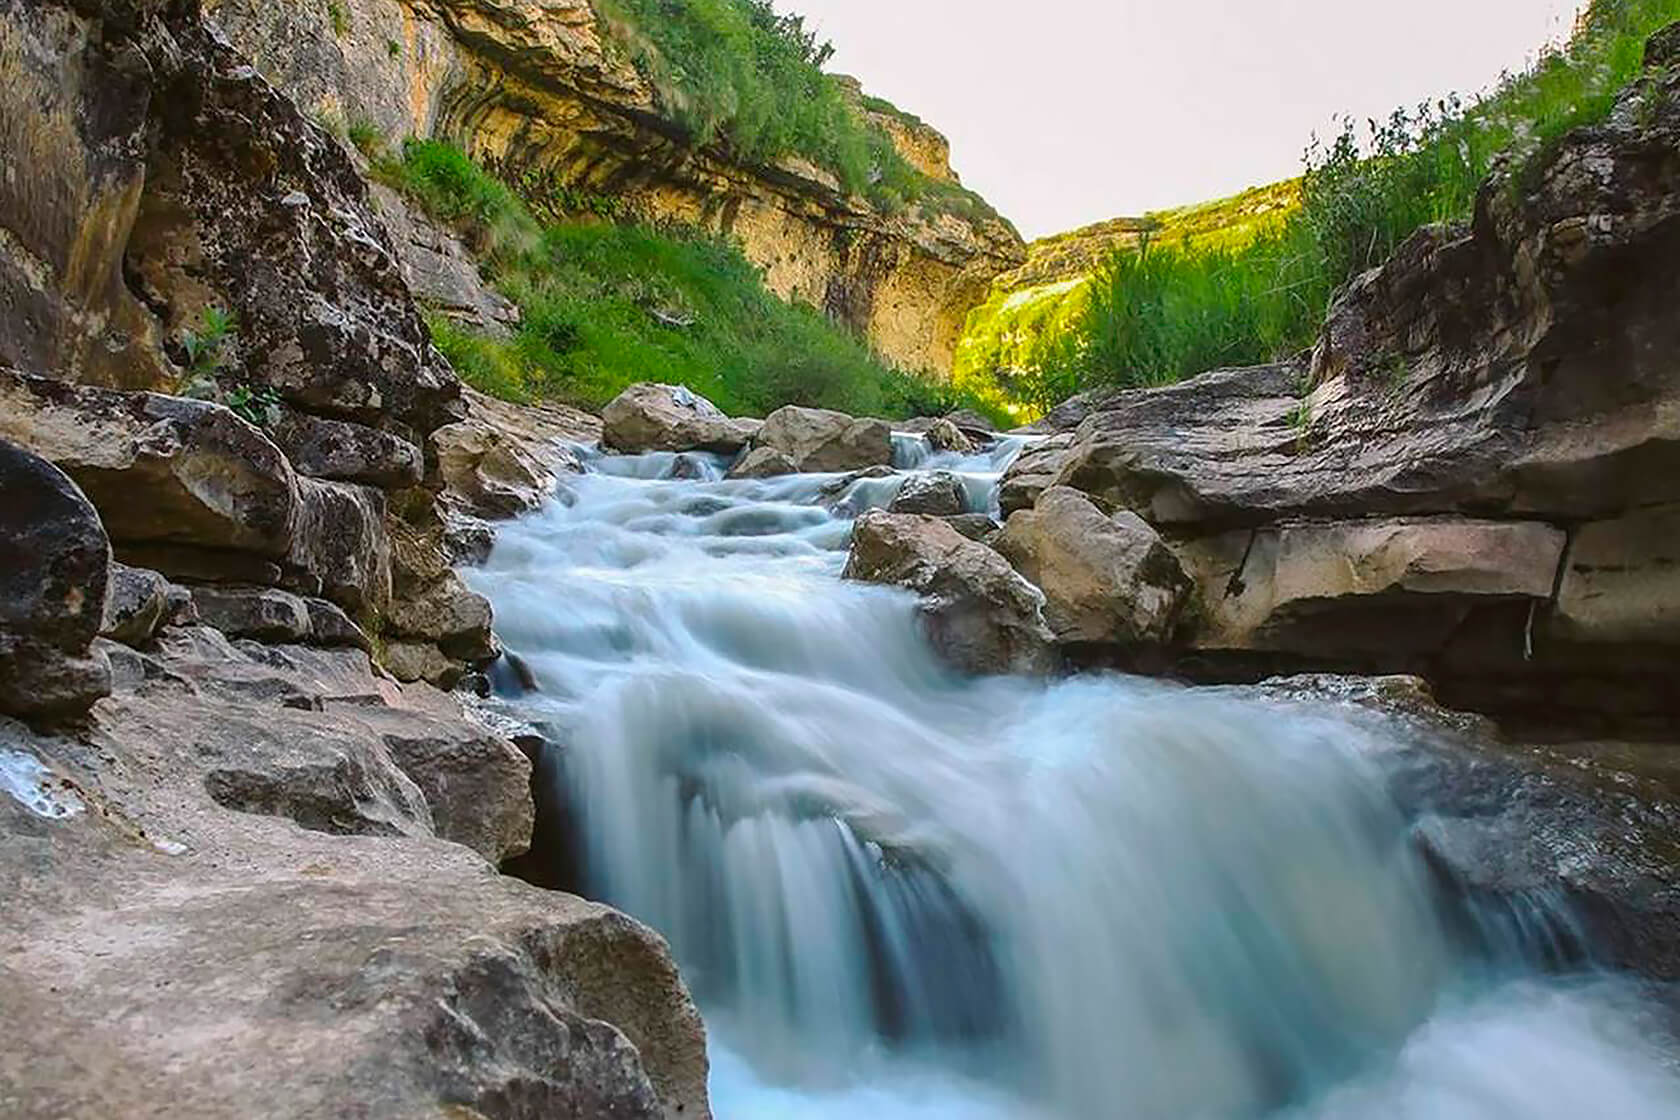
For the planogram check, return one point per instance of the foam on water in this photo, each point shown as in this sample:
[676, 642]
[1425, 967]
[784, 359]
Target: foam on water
[900, 893]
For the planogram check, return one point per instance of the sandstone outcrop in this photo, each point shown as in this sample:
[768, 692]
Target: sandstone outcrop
[650, 417]
[978, 612]
[546, 92]
[243, 844]
[1105, 579]
[1471, 478]
[822, 440]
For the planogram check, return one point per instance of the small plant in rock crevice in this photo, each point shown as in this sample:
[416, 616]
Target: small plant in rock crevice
[209, 347]
[255, 404]
[339, 17]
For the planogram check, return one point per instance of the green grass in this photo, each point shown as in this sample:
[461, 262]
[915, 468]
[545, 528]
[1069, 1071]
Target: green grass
[606, 305]
[1219, 291]
[738, 73]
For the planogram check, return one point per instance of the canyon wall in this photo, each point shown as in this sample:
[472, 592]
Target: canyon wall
[540, 93]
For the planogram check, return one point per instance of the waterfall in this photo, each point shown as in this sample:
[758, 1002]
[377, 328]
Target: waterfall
[899, 892]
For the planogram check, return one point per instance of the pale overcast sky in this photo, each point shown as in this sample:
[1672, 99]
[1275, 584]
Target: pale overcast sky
[1064, 112]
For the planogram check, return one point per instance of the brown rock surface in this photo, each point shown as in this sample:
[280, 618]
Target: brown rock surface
[820, 439]
[979, 613]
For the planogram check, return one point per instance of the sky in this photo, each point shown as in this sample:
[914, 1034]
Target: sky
[1066, 112]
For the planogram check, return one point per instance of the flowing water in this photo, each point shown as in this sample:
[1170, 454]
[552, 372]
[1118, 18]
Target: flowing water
[901, 893]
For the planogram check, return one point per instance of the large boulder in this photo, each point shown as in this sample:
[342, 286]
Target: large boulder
[944, 435]
[449, 616]
[652, 417]
[248, 851]
[161, 470]
[1107, 579]
[762, 462]
[54, 565]
[821, 440]
[939, 493]
[978, 611]
[504, 460]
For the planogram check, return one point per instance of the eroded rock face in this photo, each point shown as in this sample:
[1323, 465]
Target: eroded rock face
[1105, 579]
[1472, 475]
[54, 563]
[979, 613]
[820, 439]
[539, 89]
[649, 417]
[245, 855]
[504, 459]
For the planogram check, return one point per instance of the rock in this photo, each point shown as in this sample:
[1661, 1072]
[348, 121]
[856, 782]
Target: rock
[1033, 471]
[264, 613]
[820, 440]
[478, 786]
[330, 626]
[161, 470]
[440, 271]
[762, 462]
[505, 459]
[1388, 588]
[1105, 579]
[135, 605]
[973, 425]
[341, 541]
[343, 452]
[980, 614]
[54, 564]
[421, 661]
[975, 526]
[944, 435]
[447, 614]
[1621, 581]
[266, 874]
[939, 493]
[650, 417]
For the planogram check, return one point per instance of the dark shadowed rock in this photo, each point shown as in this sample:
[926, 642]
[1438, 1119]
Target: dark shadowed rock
[346, 452]
[939, 493]
[330, 626]
[980, 614]
[341, 541]
[135, 606]
[264, 613]
[54, 563]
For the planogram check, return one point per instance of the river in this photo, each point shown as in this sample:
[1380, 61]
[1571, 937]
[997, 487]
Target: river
[899, 893]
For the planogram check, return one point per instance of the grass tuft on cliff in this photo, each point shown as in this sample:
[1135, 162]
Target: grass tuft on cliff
[606, 305]
[1223, 294]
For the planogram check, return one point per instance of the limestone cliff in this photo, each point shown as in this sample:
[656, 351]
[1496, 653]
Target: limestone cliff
[539, 92]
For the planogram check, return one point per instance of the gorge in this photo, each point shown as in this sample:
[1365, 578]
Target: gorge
[1290, 742]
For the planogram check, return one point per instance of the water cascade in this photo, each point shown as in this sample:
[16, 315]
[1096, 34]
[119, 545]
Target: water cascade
[900, 893]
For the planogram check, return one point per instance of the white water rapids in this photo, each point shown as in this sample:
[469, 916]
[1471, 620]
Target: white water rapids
[899, 893]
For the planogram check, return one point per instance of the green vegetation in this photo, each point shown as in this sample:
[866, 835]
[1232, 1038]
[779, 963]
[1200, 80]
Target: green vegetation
[339, 17]
[606, 305]
[209, 347]
[1223, 293]
[740, 73]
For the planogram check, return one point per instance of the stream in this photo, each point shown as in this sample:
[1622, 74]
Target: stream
[903, 894]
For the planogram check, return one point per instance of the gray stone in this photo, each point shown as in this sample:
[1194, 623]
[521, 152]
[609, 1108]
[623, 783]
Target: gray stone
[939, 493]
[650, 417]
[135, 606]
[344, 452]
[821, 440]
[264, 613]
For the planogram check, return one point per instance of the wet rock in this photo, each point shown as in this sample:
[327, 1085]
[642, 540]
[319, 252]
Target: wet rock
[421, 661]
[821, 440]
[979, 613]
[477, 784]
[1105, 578]
[650, 417]
[344, 452]
[939, 493]
[135, 605]
[264, 613]
[975, 526]
[503, 461]
[54, 563]
[450, 616]
[944, 435]
[762, 462]
[1034, 470]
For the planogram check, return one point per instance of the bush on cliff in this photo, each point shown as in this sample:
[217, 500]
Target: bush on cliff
[606, 305]
[1163, 312]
